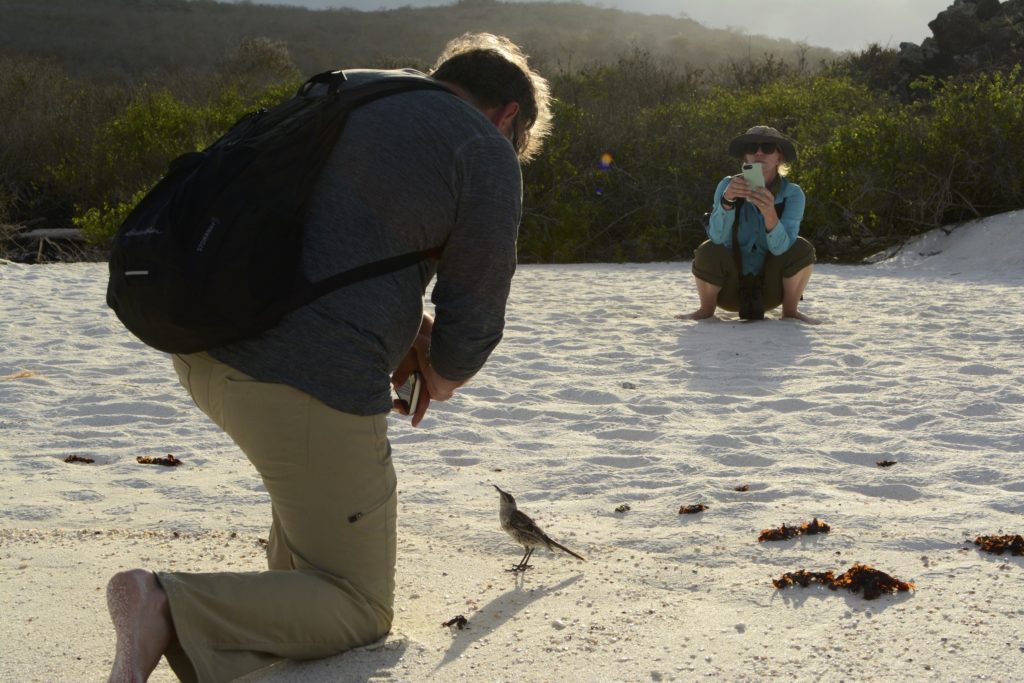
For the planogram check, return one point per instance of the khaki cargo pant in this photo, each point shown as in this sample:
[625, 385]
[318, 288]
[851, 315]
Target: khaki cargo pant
[331, 551]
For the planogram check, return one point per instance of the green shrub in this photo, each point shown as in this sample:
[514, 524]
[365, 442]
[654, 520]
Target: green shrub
[98, 224]
[896, 170]
[973, 143]
[876, 171]
[45, 113]
[560, 193]
[668, 158]
[637, 148]
[130, 153]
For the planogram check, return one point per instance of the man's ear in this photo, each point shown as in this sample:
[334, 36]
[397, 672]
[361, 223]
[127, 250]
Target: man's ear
[503, 117]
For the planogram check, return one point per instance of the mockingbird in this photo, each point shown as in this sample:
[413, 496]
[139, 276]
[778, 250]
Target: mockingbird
[524, 531]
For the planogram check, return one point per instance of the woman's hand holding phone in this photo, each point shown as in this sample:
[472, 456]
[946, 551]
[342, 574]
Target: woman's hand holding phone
[745, 184]
[736, 189]
[753, 173]
[749, 186]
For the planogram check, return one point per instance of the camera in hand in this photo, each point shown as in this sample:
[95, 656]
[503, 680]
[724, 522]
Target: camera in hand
[751, 297]
[410, 391]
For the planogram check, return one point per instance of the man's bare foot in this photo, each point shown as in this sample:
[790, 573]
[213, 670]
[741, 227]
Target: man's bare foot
[699, 314]
[138, 607]
[797, 315]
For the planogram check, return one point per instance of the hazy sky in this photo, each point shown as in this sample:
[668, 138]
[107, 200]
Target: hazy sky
[838, 24]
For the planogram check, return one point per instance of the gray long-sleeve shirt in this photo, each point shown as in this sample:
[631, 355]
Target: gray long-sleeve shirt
[410, 172]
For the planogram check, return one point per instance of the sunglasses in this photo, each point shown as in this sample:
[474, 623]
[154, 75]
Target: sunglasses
[766, 147]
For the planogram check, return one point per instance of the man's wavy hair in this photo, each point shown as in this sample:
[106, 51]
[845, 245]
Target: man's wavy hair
[494, 71]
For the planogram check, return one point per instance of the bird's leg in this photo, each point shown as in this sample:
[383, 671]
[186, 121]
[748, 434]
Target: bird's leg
[525, 563]
[522, 565]
[519, 565]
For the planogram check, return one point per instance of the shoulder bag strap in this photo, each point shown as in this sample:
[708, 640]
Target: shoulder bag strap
[736, 255]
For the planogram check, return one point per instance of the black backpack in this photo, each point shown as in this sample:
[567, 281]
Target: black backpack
[211, 254]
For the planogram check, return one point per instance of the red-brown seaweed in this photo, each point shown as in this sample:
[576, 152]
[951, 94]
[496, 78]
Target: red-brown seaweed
[785, 532]
[1014, 544]
[169, 461]
[860, 578]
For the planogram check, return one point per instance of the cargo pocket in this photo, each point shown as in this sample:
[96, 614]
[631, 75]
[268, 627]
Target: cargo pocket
[371, 534]
[369, 510]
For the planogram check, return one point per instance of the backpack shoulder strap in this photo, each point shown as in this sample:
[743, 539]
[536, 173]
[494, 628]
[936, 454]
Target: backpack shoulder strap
[333, 79]
[357, 96]
[391, 264]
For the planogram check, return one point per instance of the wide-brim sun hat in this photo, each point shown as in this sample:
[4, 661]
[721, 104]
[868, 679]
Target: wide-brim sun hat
[763, 134]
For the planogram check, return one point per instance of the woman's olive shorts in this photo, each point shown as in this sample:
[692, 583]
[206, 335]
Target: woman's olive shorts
[714, 263]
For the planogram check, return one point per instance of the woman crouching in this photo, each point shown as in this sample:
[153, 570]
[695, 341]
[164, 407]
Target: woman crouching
[767, 222]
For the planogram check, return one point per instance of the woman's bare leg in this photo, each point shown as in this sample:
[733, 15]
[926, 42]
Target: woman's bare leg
[708, 294]
[792, 289]
[142, 620]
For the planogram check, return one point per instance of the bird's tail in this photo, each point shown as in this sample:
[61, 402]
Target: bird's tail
[562, 547]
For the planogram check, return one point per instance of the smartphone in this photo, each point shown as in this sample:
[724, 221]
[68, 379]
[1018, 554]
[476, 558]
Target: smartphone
[754, 175]
[410, 391]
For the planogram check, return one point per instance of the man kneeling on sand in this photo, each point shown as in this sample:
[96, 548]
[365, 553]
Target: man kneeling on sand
[308, 400]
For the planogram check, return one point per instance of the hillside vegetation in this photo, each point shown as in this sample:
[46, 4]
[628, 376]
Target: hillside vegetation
[129, 39]
[97, 97]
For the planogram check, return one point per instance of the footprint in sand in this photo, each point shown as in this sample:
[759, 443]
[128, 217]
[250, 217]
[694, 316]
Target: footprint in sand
[82, 496]
[33, 513]
[981, 370]
[890, 491]
[459, 458]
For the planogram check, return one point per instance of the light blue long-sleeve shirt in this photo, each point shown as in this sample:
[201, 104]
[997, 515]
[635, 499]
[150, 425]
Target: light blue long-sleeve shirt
[755, 241]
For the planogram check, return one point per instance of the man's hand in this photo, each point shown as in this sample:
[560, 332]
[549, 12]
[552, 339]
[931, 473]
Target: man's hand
[435, 387]
[440, 388]
[400, 377]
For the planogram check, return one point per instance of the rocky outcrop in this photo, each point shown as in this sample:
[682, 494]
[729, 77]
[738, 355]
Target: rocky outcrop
[969, 36]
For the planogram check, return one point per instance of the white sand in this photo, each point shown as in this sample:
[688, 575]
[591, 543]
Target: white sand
[597, 397]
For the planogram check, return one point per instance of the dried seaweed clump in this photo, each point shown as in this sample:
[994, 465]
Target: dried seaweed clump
[860, 578]
[169, 461]
[872, 582]
[1014, 544]
[458, 620]
[692, 509]
[785, 532]
[804, 578]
